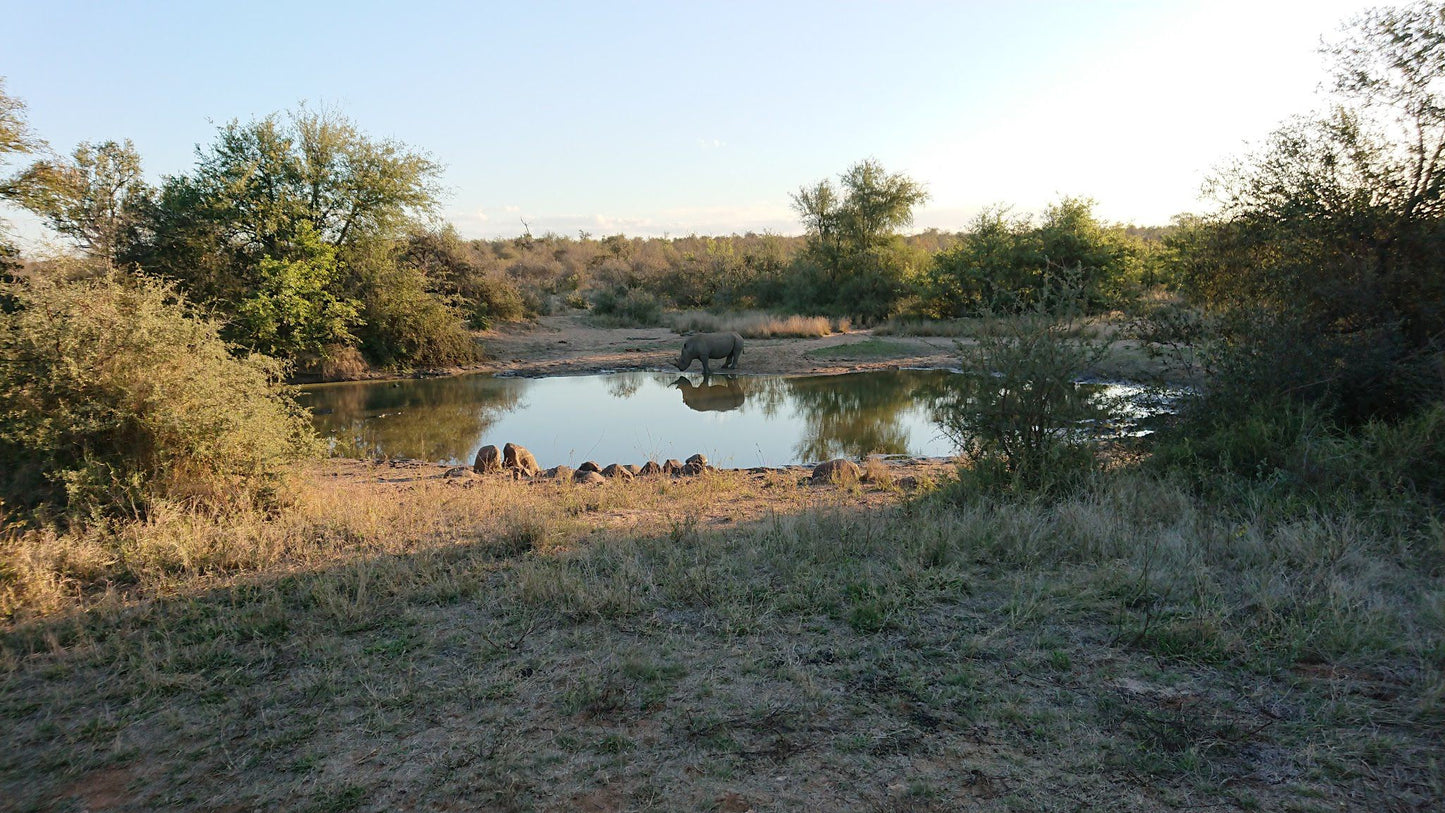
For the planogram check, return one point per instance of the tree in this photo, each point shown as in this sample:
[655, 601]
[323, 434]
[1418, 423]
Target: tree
[243, 232]
[852, 237]
[94, 198]
[295, 311]
[1103, 258]
[993, 267]
[1005, 263]
[1392, 70]
[1323, 263]
[15, 139]
[261, 181]
[15, 135]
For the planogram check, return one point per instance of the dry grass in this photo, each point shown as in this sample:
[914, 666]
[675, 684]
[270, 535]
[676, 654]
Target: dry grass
[396, 639]
[757, 325]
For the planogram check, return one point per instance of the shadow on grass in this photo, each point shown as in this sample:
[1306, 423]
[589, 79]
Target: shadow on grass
[872, 659]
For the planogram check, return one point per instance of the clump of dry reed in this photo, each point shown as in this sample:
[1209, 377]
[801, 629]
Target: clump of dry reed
[757, 325]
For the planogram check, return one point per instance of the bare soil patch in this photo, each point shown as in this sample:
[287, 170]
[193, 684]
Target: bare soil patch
[569, 345]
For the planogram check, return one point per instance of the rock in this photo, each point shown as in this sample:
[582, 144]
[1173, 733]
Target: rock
[632, 470]
[589, 466]
[588, 478]
[617, 471]
[837, 470]
[907, 483]
[558, 473]
[458, 471]
[519, 459]
[692, 468]
[699, 458]
[489, 459]
[649, 469]
[671, 467]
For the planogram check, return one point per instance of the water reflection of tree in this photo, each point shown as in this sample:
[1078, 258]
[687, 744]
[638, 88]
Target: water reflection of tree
[625, 385]
[851, 416]
[967, 405]
[439, 419]
[768, 394]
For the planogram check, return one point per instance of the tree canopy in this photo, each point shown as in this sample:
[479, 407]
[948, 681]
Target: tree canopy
[1325, 257]
[94, 198]
[852, 237]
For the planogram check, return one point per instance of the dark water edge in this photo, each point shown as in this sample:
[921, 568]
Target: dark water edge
[632, 417]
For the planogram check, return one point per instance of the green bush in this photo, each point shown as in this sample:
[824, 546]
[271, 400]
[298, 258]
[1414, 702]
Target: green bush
[1306, 459]
[628, 307]
[116, 393]
[295, 311]
[403, 321]
[492, 299]
[1023, 425]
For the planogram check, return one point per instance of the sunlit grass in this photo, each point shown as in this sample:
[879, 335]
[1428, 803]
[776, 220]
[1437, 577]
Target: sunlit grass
[757, 325]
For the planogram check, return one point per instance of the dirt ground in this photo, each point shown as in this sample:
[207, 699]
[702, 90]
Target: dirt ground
[568, 345]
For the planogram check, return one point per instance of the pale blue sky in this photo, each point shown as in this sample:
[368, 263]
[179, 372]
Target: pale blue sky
[652, 118]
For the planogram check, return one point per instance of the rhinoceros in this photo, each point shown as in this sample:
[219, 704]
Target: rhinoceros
[704, 346]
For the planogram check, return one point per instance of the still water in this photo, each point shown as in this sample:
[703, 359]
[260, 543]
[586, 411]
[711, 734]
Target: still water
[634, 417]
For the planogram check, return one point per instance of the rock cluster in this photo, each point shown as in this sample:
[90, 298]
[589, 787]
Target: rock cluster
[518, 462]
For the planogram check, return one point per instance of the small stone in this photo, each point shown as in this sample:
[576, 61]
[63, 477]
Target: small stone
[837, 470]
[563, 472]
[588, 478]
[519, 459]
[649, 469]
[617, 471]
[589, 466]
[489, 459]
[671, 466]
[699, 458]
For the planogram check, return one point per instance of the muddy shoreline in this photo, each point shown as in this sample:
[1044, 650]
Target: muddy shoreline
[569, 345]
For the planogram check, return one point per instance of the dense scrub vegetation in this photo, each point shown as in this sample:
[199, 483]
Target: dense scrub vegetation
[117, 394]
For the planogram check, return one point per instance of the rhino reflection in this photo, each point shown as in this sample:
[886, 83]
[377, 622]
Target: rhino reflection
[436, 419]
[710, 396]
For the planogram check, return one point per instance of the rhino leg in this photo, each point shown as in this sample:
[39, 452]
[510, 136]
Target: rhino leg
[732, 362]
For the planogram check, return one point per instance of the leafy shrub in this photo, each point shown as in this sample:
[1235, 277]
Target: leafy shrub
[1022, 426]
[116, 393]
[494, 298]
[403, 321]
[629, 307]
[1307, 459]
[294, 311]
